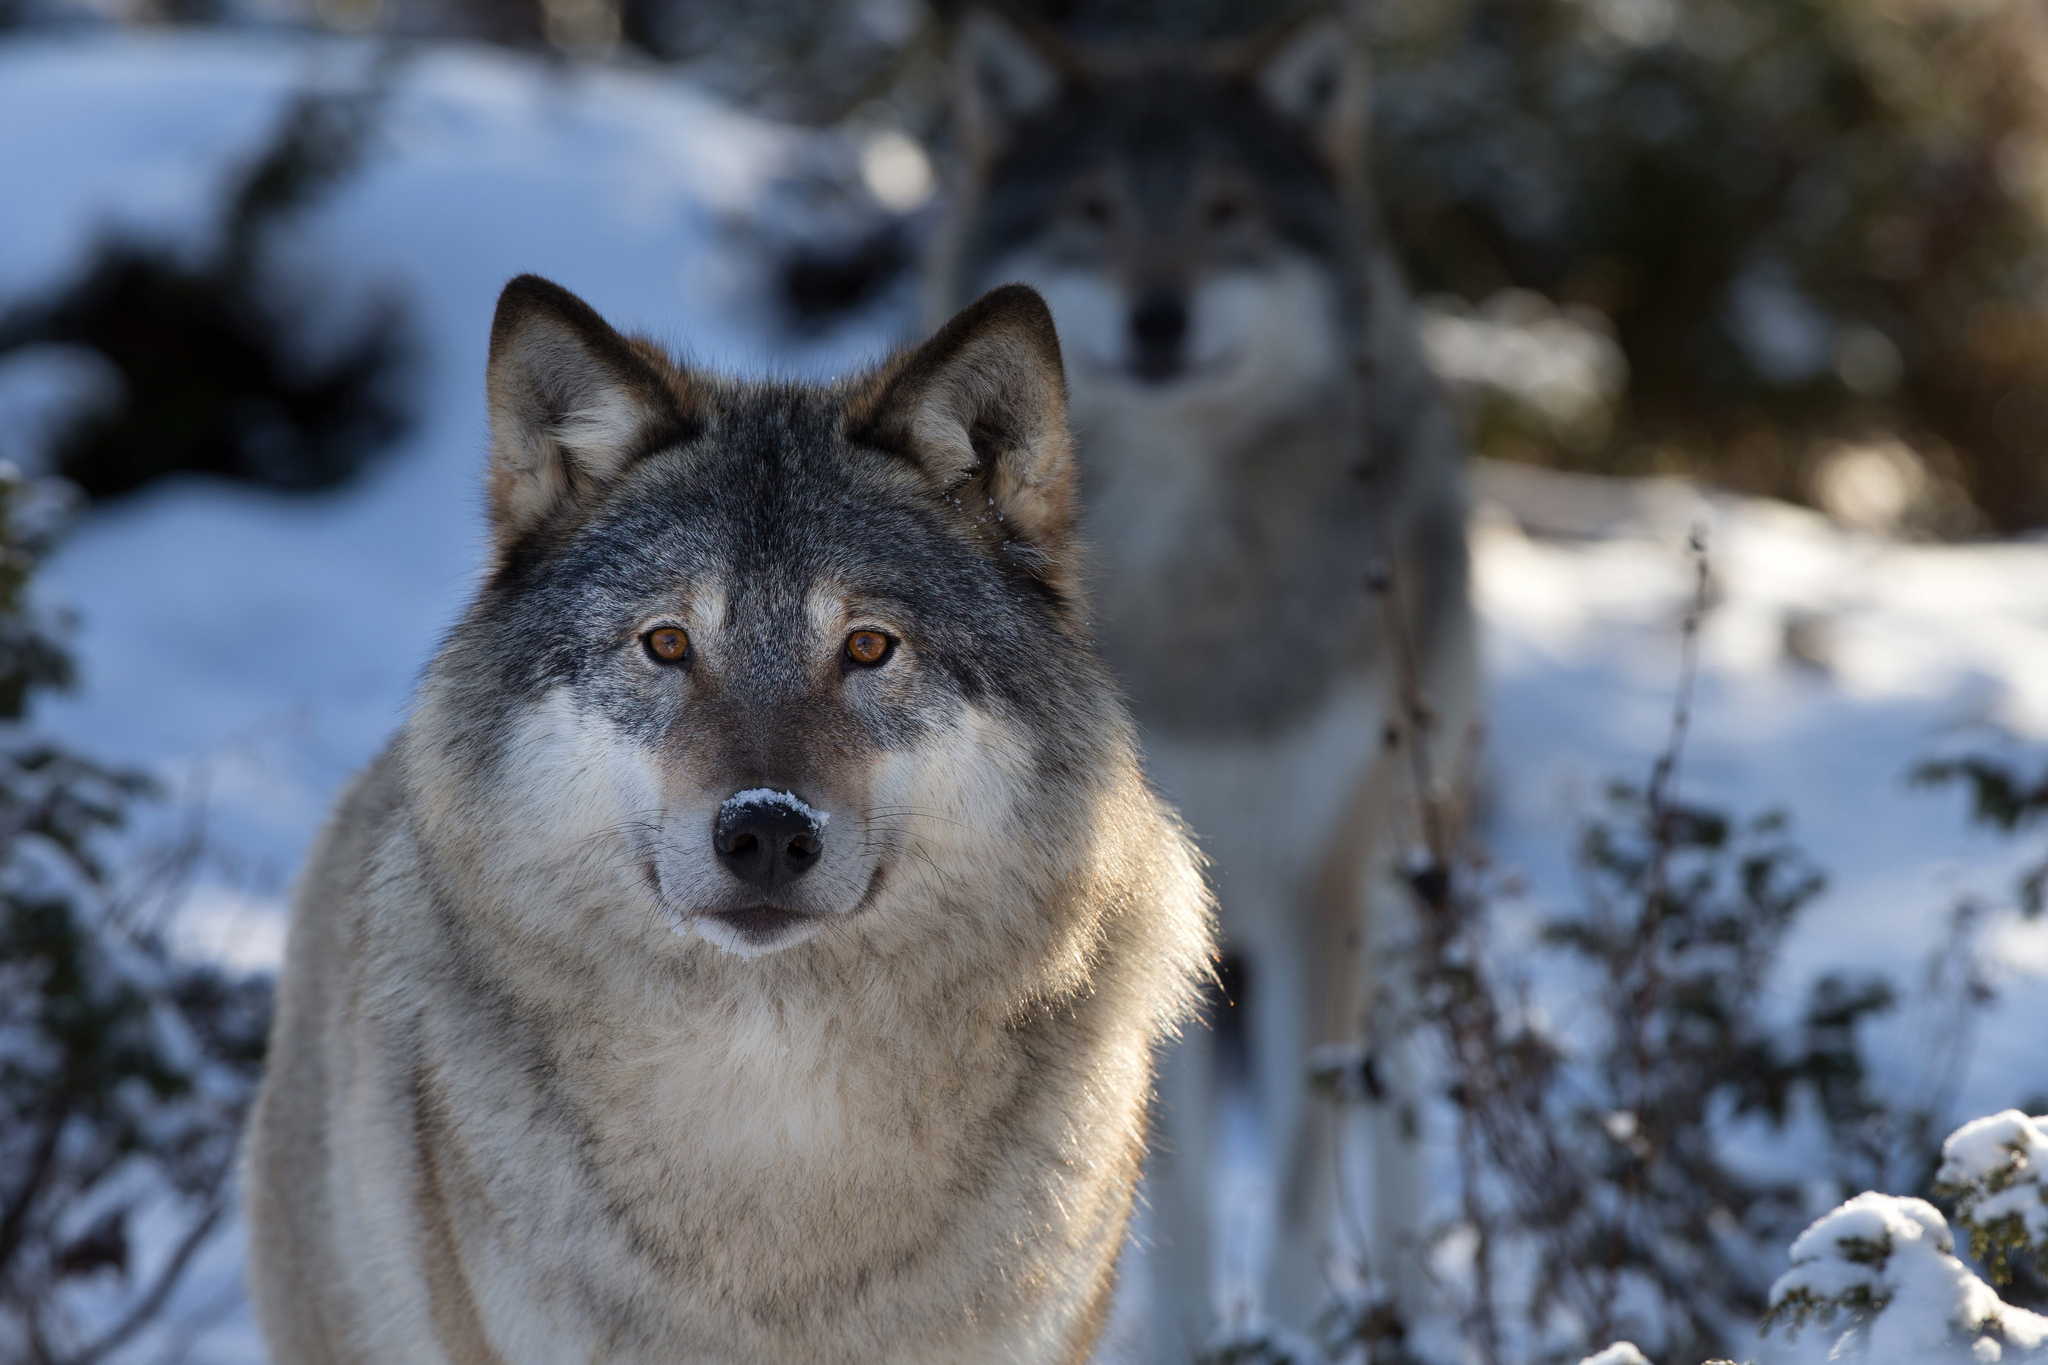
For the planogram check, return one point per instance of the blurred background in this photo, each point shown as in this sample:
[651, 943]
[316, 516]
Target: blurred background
[1792, 246]
[1776, 270]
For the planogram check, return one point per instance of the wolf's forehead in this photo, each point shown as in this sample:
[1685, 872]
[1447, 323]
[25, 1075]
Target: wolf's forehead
[1163, 142]
[1187, 120]
[773, 558]
[766, 481]
[766, 529]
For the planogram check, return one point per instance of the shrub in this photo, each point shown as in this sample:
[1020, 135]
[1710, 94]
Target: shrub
[125, 1072]
[219, 366]
[1884, 1271]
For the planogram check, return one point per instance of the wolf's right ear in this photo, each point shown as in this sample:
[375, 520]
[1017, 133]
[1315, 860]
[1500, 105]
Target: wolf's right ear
[980, 411]
[572, 404]
[1314, 73]
[1002, 73]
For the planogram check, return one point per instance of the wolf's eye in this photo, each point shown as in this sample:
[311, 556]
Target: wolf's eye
[1225, 210]
[667, 644]
[868, 647]
[1095, 210]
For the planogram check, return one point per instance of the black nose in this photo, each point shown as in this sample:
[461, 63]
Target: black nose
[767, 839]
[1159, 324]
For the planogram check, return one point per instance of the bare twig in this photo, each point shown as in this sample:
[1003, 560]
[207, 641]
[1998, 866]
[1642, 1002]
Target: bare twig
[1484, 1318]
[152, 1302]
[1660, 801]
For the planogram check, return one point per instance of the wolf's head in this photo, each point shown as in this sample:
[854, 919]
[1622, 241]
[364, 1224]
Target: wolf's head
[1188, 216]
[771, 657]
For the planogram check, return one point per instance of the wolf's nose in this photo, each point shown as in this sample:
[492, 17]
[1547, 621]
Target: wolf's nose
[1158, 325]
[767, 840]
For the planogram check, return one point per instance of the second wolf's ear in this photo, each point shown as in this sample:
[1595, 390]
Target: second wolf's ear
[981, 411]
[1315, 74]
[1002, 74]
[572, 404]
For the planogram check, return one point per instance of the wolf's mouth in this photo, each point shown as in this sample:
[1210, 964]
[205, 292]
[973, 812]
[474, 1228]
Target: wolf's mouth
[761, 923]
[765, 924]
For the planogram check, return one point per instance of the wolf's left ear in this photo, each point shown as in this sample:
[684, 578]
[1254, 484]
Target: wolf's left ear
[981, 411]
[1315, 74]
[572, 403]
[1003, 72]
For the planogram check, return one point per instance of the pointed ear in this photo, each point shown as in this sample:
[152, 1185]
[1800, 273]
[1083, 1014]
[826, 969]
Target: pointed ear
[572, 404]
[981, 411]
[1314, 73]
[1003, 73]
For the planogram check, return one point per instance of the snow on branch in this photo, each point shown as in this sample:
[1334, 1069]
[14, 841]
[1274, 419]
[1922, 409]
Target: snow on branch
[1991, 1167]
[1886, 1267]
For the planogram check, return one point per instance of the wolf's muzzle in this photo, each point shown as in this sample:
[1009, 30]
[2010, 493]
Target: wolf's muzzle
[1159, 325]
[768, 840]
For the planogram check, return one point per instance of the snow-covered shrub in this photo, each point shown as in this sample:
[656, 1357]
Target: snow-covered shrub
[1991, 1168]
[1620, 1353]
[1885, 1268]
[125, 1072]
[218, 364]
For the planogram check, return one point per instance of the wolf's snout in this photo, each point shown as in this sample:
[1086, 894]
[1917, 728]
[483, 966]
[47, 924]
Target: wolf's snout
[1159, 324]
[768, 840]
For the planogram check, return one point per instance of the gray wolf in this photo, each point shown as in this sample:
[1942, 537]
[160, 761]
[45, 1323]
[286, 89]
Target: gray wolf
[753, 946]
[1258, 435]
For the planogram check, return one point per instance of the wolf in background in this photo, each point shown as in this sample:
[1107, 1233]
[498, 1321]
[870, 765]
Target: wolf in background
[1258, 436]
[754, 945]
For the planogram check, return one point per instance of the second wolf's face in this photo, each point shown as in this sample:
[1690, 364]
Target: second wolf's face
[782, 649]
[1183, 218]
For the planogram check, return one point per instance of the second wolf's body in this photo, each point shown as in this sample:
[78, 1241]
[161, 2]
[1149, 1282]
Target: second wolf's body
[753, 947]
[1240, 345]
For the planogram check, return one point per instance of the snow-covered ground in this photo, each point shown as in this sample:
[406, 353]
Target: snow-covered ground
[255, 648]
[1831, 663]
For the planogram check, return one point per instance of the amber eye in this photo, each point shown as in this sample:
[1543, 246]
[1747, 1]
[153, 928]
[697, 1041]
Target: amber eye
[668, 644]
[867, 647]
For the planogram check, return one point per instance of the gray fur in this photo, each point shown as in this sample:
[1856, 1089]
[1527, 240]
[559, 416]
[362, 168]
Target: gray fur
[1236, 514]
[547, 1084]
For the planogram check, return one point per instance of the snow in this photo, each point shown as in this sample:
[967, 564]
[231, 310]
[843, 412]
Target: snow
[1831, 663]
[765, 796]
[1995, 1165]
[1887, 1264]
[1620, 1353]
[2004, 1149]
[1565, 367]
[255, 649]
